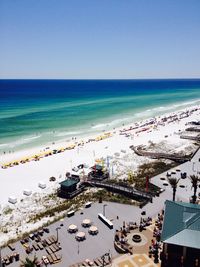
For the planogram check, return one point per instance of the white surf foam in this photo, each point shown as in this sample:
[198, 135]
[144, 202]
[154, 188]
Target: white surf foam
[100, 125]
[62, 134]
[23, 141]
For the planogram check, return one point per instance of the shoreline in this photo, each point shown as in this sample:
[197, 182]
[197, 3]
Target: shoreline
[20, 154]
[66, 136]
[117, 148]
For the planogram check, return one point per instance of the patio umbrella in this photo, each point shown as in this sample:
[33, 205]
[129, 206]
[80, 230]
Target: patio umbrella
[93, 229]
[80, 236]
[86, 222]
[72, 228]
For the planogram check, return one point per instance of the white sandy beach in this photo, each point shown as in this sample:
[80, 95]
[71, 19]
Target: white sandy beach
[26, 176]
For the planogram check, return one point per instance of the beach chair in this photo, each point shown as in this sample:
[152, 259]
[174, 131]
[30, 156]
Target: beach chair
[98, 262]
[50, 259]
[40, 246]
[89, 262]
[52, 249]
[44, 242]
[48, 250]
[11, 247]
[17, 256]
[7, 260]
[53, 258]
[54, 238]
[35, 246]
[56, 247]
[58, 257]
[32, 236]
[51, 239]
[83, 264]
[49, 242]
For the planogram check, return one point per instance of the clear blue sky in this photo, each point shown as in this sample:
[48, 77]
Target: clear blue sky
[99, 38]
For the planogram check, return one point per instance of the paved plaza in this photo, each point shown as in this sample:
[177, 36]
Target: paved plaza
[95, 246]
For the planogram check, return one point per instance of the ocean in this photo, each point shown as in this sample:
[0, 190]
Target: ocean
[39, 112]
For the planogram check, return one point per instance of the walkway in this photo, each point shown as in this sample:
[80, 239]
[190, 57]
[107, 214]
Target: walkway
[156, 155]
[125, 190]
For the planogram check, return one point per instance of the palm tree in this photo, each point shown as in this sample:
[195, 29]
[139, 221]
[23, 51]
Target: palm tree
[30, 263]
[173, 182]
[194, 180]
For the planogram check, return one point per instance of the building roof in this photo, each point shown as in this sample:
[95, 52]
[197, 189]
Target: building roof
[97, 167]
[181, 224]
[68, 182]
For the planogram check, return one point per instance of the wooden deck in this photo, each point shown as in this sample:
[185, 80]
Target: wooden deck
[157, 155]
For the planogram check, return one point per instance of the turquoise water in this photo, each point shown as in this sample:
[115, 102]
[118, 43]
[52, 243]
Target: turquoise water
[39, 112]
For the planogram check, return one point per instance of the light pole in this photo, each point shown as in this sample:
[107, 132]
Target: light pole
[58, 228]
[0, 258]
[193, 165]
[78, 248]
[104, 206]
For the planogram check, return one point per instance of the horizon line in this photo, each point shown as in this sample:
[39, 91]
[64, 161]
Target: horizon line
[101, 79]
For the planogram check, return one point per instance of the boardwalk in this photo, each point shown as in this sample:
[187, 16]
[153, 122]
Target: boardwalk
[193, 129]
[189, 137]
[125, 190]
[157, 155]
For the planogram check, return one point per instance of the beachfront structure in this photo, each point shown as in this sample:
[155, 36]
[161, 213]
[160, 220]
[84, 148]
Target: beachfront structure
[69, 189]
[181, 235]
[98, 173]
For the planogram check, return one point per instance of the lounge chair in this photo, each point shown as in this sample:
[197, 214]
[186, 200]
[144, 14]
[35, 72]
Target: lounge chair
[11, 247]
[54, 238]
[83, 264]
[48, 241]
[48, 250]
[56, 247]
[99, 261]
[58, 256]
[50, 259]
[53, 249]
[53, 257]
[40, 246]
[35, 246]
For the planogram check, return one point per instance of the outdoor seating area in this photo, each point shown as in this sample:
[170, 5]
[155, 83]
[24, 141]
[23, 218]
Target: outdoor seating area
[72, 228]
[86, 223]
[81, 242]
[8, 259]
[36, 242]
[155, 242]
[104, 260]
[93, 230]
[80, 236]
[131, 239]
